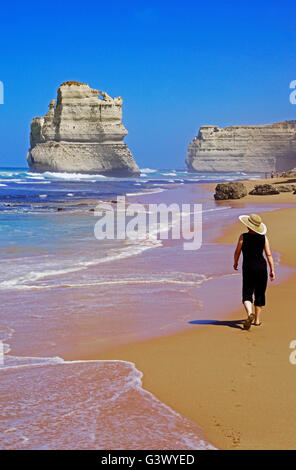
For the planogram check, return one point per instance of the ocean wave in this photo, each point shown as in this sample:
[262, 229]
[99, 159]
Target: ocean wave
[134, 247]
[153, 191]
[72, 176]
[24, 282]
[21, 281]
[30, 175]
[32, 182]
[16, 362]
[11, 180]
[185, 279]
[6, 334]
[147, 170]
[99, 405]
[9, 173]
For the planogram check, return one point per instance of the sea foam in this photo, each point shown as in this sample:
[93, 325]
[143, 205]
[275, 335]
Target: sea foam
[87, 405]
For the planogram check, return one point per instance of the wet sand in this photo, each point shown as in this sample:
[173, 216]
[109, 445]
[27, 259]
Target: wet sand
[238, 386]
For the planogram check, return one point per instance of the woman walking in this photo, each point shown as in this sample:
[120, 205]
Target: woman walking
[253, 244]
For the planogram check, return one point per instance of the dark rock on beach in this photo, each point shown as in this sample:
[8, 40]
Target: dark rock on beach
[234, 190]
[286, 188]
[290, 173]
[264, 189]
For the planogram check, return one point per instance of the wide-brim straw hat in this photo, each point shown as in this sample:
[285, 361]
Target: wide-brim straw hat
[254, 222]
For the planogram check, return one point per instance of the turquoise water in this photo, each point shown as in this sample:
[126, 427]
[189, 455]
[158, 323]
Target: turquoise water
[19, 187]
[62, 290]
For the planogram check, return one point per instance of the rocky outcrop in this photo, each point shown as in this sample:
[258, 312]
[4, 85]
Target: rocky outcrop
[285, 188]
[290, 173]
[263, 148]
[234, 190]
[264, 190]
[82, 132]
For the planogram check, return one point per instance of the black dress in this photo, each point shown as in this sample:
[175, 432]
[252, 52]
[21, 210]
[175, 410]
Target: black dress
[254, 268]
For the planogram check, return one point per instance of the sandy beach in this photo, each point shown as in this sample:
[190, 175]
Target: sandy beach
[151, 316]
[122, 326]
[238, 386]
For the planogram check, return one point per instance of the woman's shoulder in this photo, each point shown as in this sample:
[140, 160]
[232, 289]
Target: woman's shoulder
[242, 237]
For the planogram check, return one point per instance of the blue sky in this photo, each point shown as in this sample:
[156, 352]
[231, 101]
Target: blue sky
[177, 65]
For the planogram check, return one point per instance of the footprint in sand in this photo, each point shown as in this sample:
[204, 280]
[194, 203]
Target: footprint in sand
[251, 364]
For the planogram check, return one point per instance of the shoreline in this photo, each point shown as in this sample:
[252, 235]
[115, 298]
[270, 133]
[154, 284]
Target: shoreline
[158, 310]
[233, 386]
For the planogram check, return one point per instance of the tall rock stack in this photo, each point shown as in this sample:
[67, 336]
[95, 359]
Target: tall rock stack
[263, 148]
[82, 132]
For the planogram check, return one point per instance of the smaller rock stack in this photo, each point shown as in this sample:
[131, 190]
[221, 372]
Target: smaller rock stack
[257, 148]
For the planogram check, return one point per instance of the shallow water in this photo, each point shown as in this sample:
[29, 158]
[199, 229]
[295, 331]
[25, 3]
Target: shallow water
[63, 294]
[102, 407]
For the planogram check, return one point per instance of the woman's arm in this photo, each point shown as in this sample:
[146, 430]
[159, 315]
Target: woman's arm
[269, 259]
[238, 252]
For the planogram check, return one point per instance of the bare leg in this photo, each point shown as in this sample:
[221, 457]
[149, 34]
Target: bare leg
[248, 307]
[257, 314]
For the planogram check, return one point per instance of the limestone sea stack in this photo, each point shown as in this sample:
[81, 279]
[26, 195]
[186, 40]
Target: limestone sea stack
[82, 132]
[262, 148]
